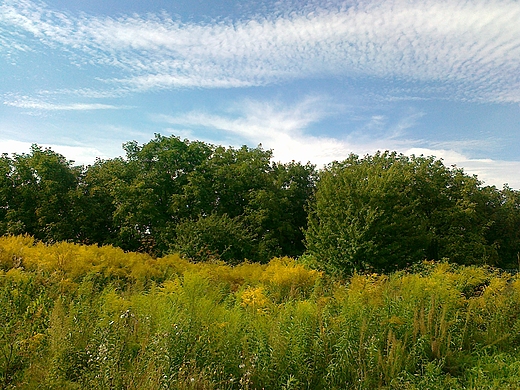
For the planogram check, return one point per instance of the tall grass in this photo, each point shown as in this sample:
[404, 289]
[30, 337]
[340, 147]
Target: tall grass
[76, 317]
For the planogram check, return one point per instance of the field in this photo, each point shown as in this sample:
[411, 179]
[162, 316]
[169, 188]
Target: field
[74, 317]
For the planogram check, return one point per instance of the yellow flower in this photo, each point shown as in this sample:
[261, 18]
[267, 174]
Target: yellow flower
[254, 297]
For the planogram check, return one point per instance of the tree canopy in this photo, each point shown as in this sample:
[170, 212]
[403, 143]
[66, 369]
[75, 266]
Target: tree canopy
[157, 195]
[389, 211]
[377, 213]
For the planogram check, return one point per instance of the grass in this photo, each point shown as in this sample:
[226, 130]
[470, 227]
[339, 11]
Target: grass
[77, 317]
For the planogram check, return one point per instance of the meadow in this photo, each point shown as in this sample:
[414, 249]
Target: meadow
[76, 317]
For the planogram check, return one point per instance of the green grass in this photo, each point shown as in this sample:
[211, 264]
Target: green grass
[75, 317]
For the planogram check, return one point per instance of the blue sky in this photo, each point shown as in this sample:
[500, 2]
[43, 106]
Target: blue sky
[313, 81]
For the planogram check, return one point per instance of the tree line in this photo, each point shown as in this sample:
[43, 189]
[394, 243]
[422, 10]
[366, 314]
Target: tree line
[389, 211]
[375, 213]
[166, 195]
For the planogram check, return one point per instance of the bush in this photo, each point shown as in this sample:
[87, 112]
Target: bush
[216, 237]
[386, 212]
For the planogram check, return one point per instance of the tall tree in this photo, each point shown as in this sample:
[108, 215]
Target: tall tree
[6, 191]
[99, 186]
[501, 211]
[266, 199]
[42, 195]
[388, 211]
[279, 210]
[156, 172]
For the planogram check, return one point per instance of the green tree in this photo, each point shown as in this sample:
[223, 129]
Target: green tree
[225, 182]
[279, 210]
[6, 191]
[41, 199]
[501, 210]
[99, 186]
[388, 211]
[216, 237]
[228, 184]
[268, 199]
[153, 174]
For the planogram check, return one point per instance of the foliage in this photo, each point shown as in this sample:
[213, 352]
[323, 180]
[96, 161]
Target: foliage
[389, 211]
[147, 201]
[74, 316]
[381, 212]
[38, 194]
[214, 237]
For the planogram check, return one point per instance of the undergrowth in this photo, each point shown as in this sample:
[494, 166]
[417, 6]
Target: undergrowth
[75, 317]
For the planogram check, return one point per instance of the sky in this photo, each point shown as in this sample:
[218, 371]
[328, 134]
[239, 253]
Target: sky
[311, 80]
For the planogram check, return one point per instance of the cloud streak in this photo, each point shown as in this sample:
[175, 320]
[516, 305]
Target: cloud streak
[31, 104]
[81, 154]
[470, 47]
[489, 171]
[459, 50]
[272, 125]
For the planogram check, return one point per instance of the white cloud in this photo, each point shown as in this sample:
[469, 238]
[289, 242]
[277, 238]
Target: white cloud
[468, 145]
[47, 106]
[447, 49]
[473, 47]
[491, 172]
[79, 154]
[275, 126]
[284, 129]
